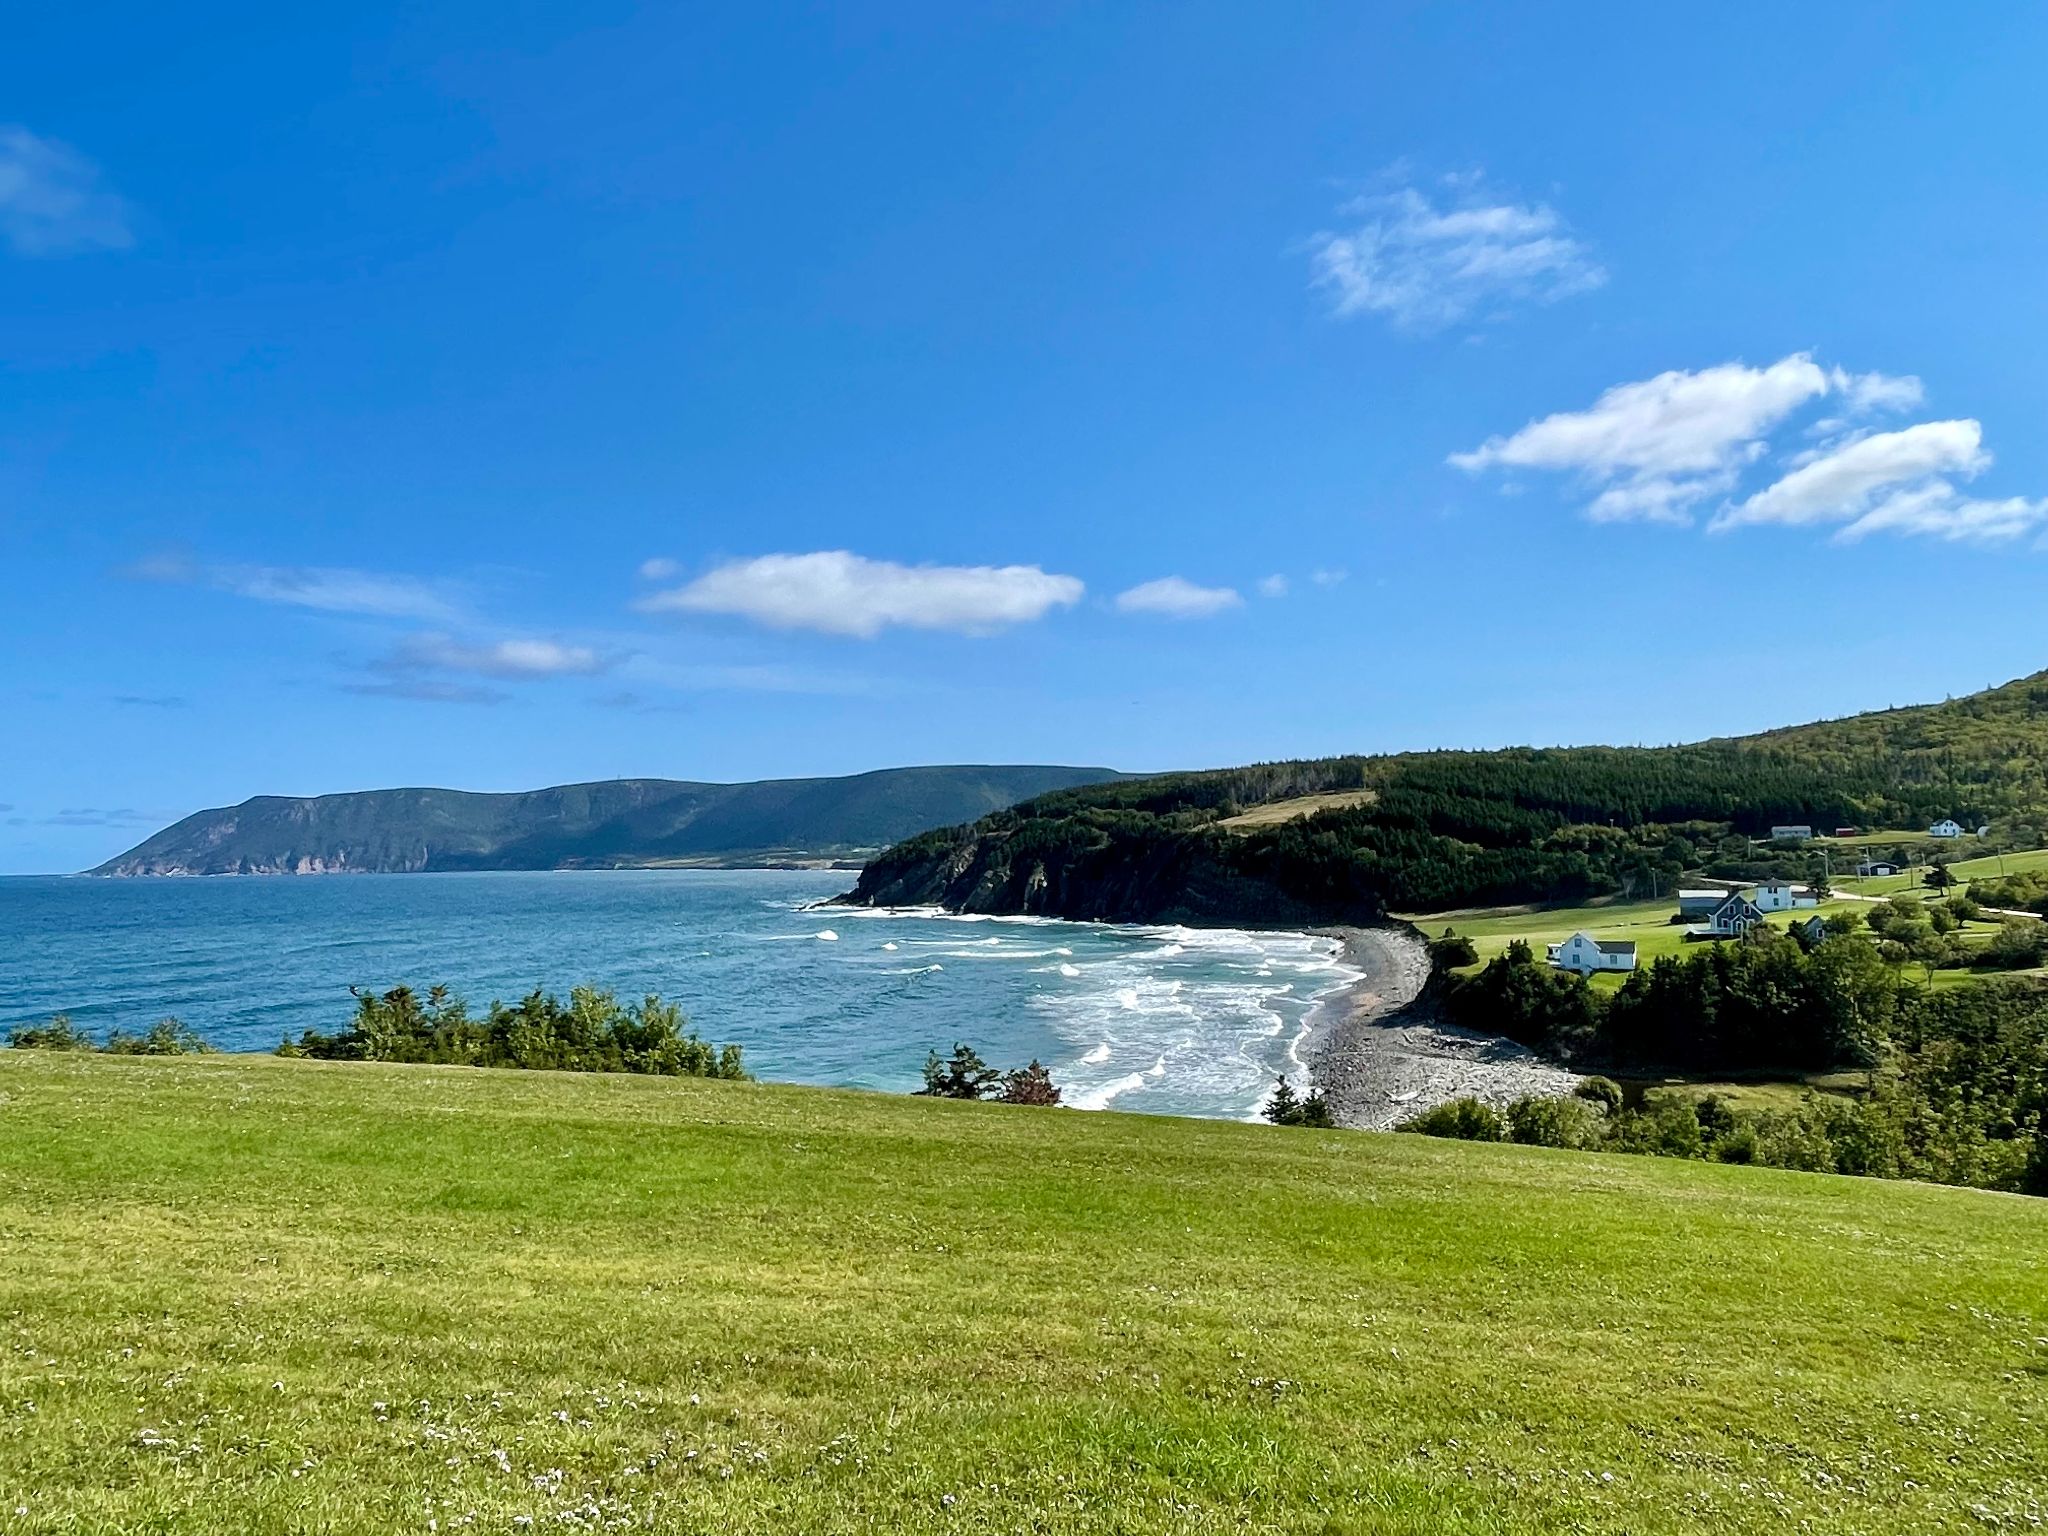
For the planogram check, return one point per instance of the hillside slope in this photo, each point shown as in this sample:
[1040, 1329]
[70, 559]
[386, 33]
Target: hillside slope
[1430, 831]
[618, 822]
[268, 1296]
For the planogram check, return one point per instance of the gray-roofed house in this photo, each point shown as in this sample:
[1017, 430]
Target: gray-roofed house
[1584, 954]
[1736, 915]
[1698, 905]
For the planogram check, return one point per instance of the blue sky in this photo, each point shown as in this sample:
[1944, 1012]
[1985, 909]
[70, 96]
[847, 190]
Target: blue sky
[503, 395]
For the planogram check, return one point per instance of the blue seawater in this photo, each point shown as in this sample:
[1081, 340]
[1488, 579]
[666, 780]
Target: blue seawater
[1167, 1020]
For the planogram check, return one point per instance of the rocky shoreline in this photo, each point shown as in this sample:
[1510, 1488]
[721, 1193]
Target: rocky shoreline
[1380, 1055]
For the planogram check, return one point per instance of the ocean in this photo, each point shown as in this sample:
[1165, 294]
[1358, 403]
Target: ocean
[1160, 1019]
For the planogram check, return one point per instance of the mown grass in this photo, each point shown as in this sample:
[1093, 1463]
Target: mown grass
[267, 1296]
[1649, 924]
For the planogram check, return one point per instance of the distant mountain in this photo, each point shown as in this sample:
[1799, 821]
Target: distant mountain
[618, 823]
[1347, 839]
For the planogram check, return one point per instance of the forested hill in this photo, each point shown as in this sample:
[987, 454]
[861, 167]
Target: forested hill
[1423, 832]
[613, 824]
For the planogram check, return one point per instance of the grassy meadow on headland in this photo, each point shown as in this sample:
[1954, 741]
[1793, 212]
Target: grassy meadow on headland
[268, 1295]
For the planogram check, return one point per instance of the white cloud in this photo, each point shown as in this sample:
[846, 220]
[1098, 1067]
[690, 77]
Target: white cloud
[1841, 485]
[1327, 578]
[660, 568]
[1660, 446]
[1938, 510]
[1652, 451]
[1427, 264]
[323, 589]
[1867, 393]
[514, 658]
[1273, 586]
[1174, 597]
[51, 200]
[841, 593]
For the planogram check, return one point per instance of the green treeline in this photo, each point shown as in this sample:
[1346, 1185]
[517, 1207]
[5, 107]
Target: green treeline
[1957, 1079]
[1452, 829]
[1885, 1134]
[592, 1032]
[166, 1037]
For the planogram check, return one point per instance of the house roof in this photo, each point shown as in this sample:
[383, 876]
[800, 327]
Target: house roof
[1616, 946]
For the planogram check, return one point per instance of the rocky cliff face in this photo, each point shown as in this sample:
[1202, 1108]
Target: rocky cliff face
[1197, 877]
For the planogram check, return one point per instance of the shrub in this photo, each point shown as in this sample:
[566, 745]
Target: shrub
[964, 1076]
[1738, 1146]
[1452, 951]
[1544, 1122]
[166, 1037]
[2035, 1180]
[1029, 1085]
[1604, 1091]
[592, 1032]
[60, 1034]
[1715, 1118]
[1461, 1120]
[1286, 1107]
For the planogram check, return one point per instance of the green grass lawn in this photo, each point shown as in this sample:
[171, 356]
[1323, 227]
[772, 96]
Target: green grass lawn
[265, 1296]
[1965, 870]
[1648, 923]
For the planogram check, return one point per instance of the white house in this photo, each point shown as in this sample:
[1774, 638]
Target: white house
[1584, 953]
[1945, 829]
[1877, 867]
[1777, 896]
[1791, 834]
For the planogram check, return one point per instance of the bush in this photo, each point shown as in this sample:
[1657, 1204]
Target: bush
[60, 1034]
[1738, 1146]
[1286, 1107]
[1604, 1091]
[1029, 1085]
[593, 1032]
[1715, 1118]
[1461, 1120]
[166, 1037]
[964, 1076]
[1451, 952]
[1542, 1122]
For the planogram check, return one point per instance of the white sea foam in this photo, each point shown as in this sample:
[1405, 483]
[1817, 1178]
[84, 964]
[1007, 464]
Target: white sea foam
[891, 945]
[826, 935]
[1100, 1053]
[1070, 970]
[1099, 1098]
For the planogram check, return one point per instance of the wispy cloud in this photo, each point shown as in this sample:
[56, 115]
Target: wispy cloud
[52, 202]
[837, 592]
[1273, 586]
[660, 568]
[1175, 597]
[93, 816]
[519, 657]
[150, 701]
[324, 589]
[1328, 578]
[1657, 449]
[1426, 260]
[426, 690]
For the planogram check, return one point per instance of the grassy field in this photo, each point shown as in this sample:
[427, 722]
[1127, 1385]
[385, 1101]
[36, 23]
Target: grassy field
[1276, 811]
[1648, 923]
[267, 1296]
[1965, 870]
